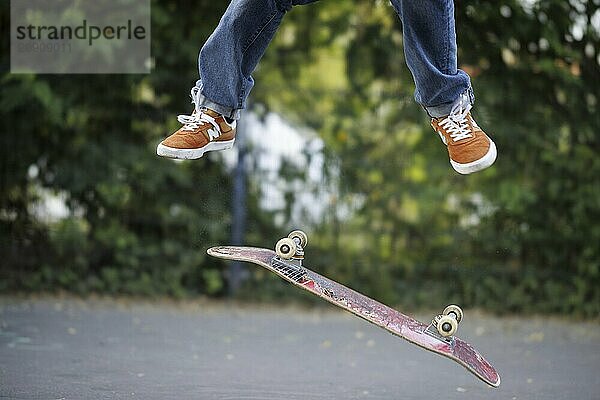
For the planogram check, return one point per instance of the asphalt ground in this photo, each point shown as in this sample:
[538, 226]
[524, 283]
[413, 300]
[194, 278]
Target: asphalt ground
[54, 348]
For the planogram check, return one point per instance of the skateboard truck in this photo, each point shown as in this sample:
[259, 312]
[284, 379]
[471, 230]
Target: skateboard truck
[290, 253]
[444, 325]
[292, 247]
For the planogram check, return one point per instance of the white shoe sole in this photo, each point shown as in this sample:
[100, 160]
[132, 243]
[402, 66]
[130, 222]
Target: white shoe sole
[484, 162]
[192, 154]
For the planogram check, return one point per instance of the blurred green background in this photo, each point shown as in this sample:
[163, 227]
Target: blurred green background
[87, 207]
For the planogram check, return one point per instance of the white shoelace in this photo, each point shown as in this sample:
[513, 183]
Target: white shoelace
[457, 123]
[198, 118]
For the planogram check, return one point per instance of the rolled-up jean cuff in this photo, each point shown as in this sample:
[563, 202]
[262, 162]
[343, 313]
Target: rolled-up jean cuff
[444, 109]
[225, 111]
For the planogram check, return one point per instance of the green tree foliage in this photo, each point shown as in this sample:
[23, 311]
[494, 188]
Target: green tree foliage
[137, 223]
[521, 236]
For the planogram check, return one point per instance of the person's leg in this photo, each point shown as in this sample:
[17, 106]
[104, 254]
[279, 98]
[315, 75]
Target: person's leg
[441, 88]
[430, 49]
[226, 63]
[233, 51]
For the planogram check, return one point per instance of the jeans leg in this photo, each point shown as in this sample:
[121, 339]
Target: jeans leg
[430, 51]
[234, 49]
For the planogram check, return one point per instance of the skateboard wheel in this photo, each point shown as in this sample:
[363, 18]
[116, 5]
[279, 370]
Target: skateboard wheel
[300, 236]
[446, 325]
[455, 310]
[285, 248]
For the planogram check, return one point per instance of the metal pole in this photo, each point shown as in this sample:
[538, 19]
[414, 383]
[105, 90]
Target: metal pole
[238, 225]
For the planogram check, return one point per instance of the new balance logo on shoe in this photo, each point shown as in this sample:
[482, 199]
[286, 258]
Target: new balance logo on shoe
[213, 134]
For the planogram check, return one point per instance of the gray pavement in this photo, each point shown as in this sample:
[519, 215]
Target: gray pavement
[104, 349]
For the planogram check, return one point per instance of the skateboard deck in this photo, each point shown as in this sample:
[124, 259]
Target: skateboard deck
[362, 306]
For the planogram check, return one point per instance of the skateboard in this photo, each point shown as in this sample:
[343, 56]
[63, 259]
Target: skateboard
[437, 336]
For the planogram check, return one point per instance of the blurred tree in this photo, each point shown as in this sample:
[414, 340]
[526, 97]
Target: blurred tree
[136, 223]
[521, 236]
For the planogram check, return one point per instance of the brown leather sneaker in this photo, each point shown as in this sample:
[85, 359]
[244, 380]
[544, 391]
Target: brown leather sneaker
[469, 148]
[204, 130]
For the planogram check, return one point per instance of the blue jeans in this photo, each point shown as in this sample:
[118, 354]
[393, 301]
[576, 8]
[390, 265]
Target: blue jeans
[234, 49]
